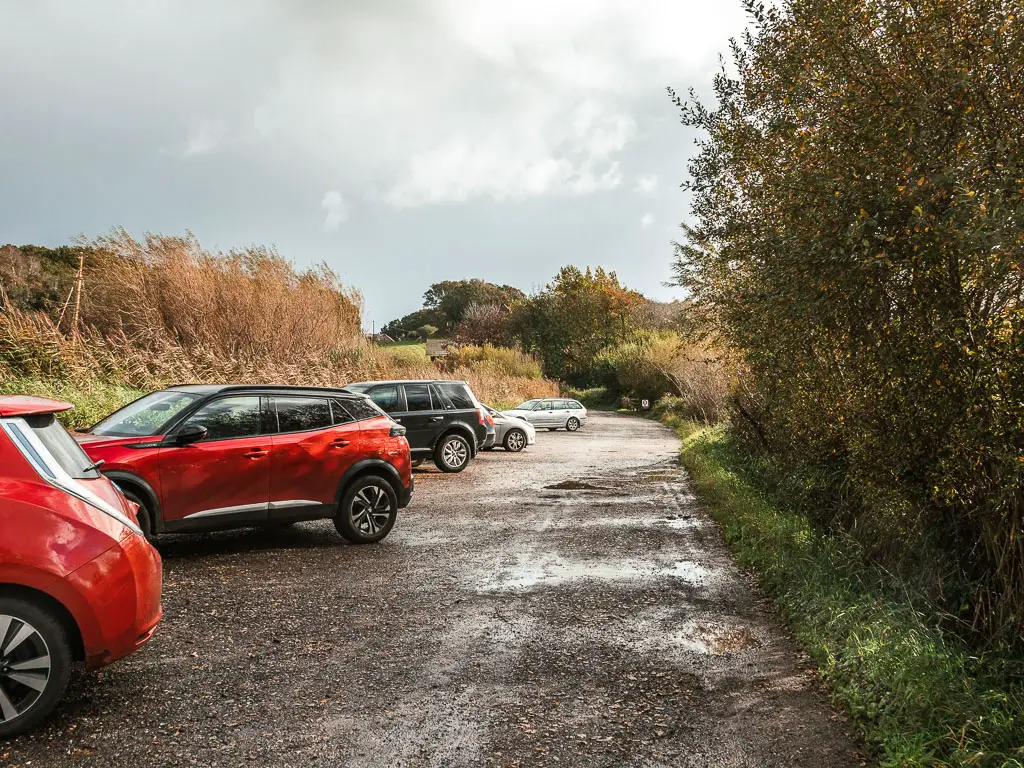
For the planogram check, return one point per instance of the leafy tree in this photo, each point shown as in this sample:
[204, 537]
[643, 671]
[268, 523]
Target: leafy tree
[426, 331]
[573, 318]
[859, 236]
[452, 298]
[408, 326]
[486, 324]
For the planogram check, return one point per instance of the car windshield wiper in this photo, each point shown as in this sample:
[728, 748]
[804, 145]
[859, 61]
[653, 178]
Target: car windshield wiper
[95, 465]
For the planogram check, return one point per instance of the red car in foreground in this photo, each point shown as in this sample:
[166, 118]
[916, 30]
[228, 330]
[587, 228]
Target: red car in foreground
[78, 581]
[201, 457]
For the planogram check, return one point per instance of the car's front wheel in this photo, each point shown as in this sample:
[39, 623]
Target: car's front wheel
[144, 515]
[515, 440]
[572, 424]
[35, 663]
[369, 508]
[452, 454]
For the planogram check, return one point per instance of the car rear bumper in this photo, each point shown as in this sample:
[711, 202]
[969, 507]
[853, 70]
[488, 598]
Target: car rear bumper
[489, 440]
[123, 590]
[405, 494]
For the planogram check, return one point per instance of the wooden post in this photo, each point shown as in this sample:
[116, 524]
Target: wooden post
[78, 289]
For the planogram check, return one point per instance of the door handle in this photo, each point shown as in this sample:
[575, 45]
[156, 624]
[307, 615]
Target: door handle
[339, 443]
[437, 418]
[256, 453]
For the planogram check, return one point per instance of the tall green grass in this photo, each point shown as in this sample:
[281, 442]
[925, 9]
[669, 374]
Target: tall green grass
[917, 694]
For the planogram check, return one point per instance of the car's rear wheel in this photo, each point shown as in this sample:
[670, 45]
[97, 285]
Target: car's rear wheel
[35, 663]
[144, 514]
[572, 424]
[369, 508]
[452, 454]
[515, 440]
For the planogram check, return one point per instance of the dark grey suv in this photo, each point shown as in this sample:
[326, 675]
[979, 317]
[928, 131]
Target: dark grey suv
[443, 419]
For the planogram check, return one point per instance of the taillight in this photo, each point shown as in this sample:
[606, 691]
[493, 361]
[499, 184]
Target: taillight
[397, 430]
[480, 413]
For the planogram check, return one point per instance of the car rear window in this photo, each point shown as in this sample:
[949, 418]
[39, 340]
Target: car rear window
[62, 446]
[458, 393]
[302, 414]
[573, 405]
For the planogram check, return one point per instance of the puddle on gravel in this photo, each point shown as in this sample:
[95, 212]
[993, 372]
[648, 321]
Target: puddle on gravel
[714, 638]
[531, 573]
[575, 485]
[660, 631]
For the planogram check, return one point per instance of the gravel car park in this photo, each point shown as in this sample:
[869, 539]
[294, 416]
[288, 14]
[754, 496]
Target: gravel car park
[571, 605]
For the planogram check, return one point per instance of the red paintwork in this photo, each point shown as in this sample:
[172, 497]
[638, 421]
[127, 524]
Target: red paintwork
[308, 465]
[106, 576]
[229, 473]
[23, 405]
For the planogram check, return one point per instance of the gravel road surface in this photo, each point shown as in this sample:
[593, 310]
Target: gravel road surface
[570, 605]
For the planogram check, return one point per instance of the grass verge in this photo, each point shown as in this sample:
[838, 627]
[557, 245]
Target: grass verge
[918, 695]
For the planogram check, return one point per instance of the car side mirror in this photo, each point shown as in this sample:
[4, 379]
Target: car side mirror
[190, 433]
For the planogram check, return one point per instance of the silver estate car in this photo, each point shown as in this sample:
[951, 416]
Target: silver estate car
[511, 432]
[552, 413]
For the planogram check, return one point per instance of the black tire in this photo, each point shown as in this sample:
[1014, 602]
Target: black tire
[552, 429]
[48, 638]
[572, 424]
[452, 454]
[368, 510]
[515, 440]
[144, 514]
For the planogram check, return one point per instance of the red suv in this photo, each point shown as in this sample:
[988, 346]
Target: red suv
[199, 457]
[78, 582]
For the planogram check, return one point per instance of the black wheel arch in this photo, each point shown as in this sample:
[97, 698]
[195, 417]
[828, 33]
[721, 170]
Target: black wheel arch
[53, 606]
[369, 467]
[134, 483]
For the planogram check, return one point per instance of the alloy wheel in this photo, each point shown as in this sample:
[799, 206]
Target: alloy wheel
[455, 453]
[24, 667]
[573, 424]
[516, 441]
[370, 510]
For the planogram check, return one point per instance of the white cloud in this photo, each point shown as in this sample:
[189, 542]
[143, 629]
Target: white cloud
[337, 211]
[646, 184]
[646, 220]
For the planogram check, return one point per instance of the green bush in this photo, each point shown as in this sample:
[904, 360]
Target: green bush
[918, 694]
[859, 200]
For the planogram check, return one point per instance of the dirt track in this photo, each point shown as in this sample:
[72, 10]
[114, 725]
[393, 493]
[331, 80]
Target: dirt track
[570, 603]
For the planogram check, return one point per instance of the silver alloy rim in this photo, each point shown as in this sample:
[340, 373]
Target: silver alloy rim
[24, 667]
[454, 453]
[516, 441]
[573, 425]
[371, 510]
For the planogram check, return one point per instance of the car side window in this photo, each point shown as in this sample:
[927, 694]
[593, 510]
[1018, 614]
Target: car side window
[458, 394]
[341, 415]
[360, 409]
[574, 406]
[302, 414]
[229, 417]
[441, 400]
[386, 397]
[547, 405]
[417, 397]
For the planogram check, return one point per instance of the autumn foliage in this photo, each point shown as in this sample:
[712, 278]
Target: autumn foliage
[859, 239]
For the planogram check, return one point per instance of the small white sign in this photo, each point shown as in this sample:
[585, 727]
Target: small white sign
[645, 404]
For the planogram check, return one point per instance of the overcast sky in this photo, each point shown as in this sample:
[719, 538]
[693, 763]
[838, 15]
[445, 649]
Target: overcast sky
[401, 142]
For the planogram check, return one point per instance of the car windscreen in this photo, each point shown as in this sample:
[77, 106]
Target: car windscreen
[527, 406]
[147, 416]
[62, 447]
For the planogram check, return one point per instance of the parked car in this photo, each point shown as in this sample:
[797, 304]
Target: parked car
[553, 413]
[199, 457]
[444, 420]
[512, 432]
[78, 581]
